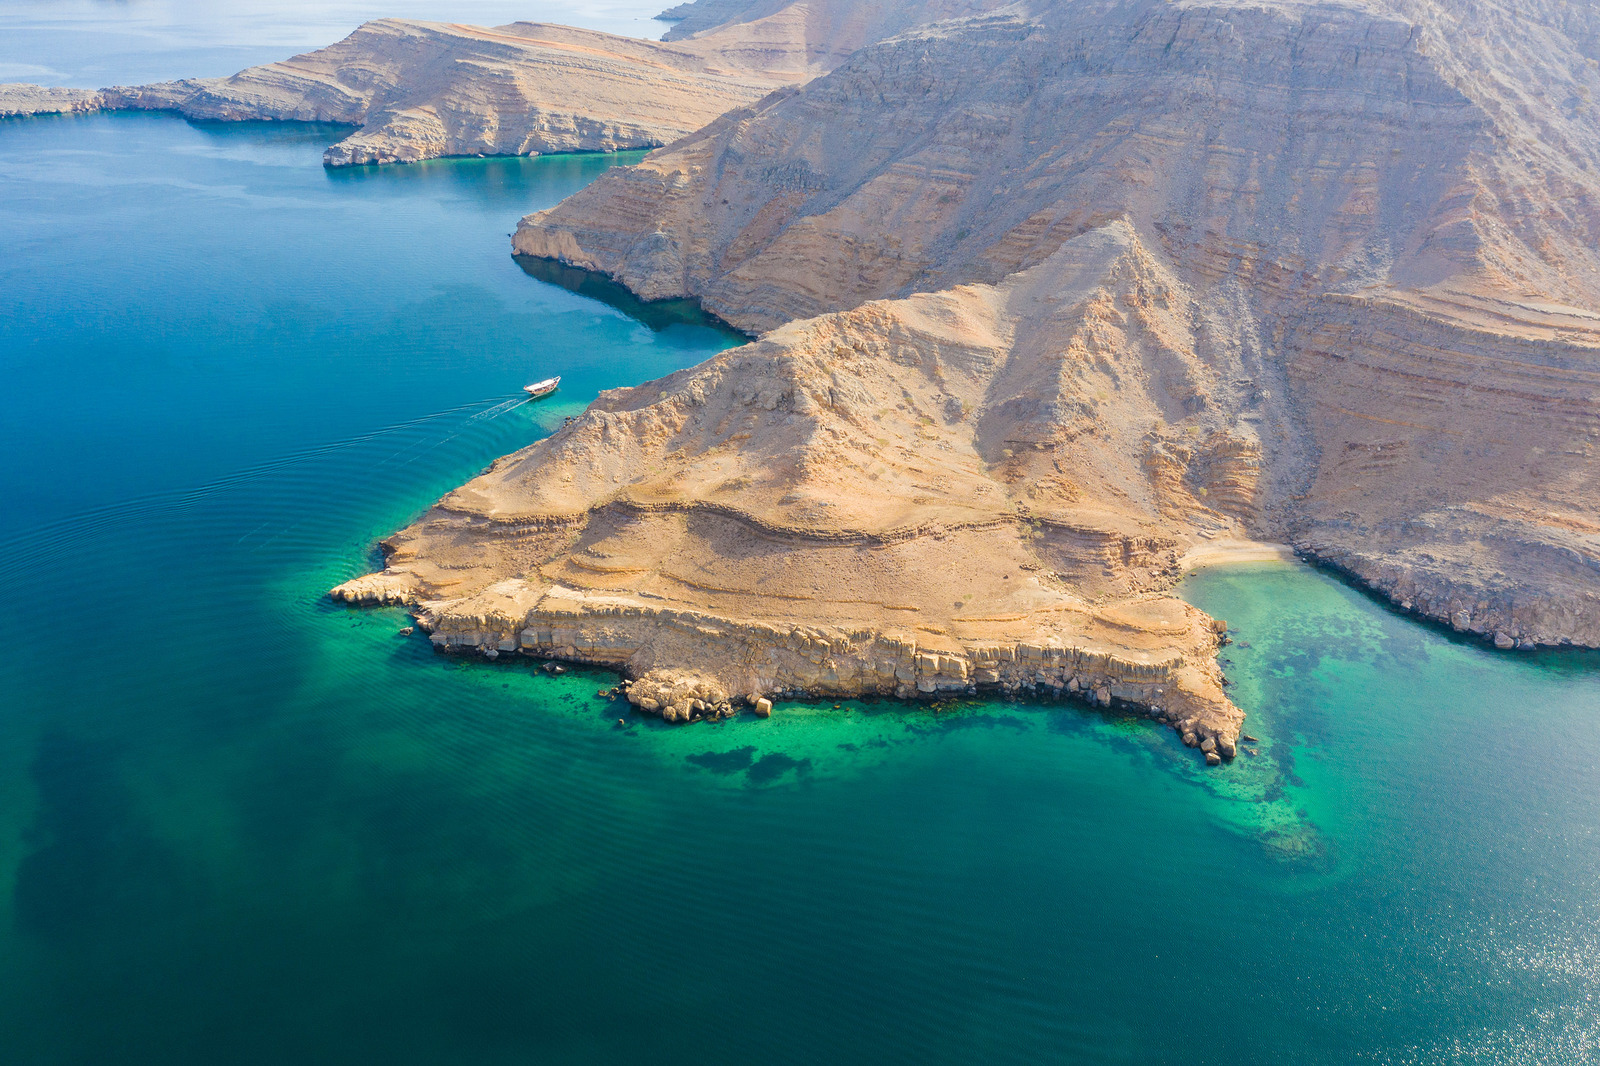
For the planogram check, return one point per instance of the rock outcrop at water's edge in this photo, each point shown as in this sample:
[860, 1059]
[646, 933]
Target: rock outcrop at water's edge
[938, 494]
[418, 90]
[17, 98]
[1393, 207]
[1456, 470]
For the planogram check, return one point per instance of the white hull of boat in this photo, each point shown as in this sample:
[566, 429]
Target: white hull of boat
[541, 388]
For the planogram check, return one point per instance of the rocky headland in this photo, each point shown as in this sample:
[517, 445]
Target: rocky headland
[419, 90]
[18, 98]
[937, 494]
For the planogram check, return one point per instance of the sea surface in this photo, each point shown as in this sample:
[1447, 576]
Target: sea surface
[239, 824]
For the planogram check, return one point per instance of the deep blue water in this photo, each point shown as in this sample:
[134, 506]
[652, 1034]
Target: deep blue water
[238, 824]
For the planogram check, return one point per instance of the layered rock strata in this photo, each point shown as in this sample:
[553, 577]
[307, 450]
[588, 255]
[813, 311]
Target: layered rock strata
[418, 90]
[986, 488]
[1459, 472]
[1392, 207]
[1335, 153]
[17, 98]
[831, 29]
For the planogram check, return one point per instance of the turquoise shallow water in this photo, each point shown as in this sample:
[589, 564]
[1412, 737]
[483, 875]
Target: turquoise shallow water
[238, 824]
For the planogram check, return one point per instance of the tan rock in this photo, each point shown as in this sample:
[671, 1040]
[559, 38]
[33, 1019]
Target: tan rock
[373, 590]
[1399, 269]
[20, 99]
[418, 90]
[794, 515]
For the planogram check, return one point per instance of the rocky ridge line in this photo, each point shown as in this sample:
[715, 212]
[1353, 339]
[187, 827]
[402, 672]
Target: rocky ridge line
[419, 90]
[927, 496]
[1394, 205]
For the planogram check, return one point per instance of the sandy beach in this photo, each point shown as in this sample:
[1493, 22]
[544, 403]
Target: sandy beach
[1234, 551]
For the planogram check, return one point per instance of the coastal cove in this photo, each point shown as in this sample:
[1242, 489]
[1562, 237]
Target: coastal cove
[249, 825]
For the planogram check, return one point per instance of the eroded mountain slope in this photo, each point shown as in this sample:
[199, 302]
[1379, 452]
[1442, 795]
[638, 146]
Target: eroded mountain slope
[1394, 205]
[1322, 143]
[423, 89]
[989, 486]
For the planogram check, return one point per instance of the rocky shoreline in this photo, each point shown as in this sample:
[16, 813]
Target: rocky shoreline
[741, 662]
[423, 90]
[1520, 619]
[18, 99]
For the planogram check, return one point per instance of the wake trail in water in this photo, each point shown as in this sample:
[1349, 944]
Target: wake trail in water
[468, 425]
[65, 536]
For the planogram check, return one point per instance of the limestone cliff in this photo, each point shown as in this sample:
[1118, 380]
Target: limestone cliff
[987, 487]
[1393, 208]
[17, 98]
[423, 89]
[1458, 460]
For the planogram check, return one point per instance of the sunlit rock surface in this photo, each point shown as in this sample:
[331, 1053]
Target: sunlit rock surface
[1385, 216]
[981, 489]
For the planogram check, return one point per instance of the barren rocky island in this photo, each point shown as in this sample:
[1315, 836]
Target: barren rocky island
[1045, 298]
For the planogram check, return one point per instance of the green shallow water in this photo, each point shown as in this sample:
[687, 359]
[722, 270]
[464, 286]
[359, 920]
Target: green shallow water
[239, 824]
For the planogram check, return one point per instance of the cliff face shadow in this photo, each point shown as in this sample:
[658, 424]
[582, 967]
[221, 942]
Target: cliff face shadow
[656, 314]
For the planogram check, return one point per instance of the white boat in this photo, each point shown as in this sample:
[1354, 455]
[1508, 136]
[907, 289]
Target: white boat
[541, 388]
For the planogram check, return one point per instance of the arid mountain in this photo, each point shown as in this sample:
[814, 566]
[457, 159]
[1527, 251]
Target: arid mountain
[1393, 207]
[425, 89]
[981, 486]
[1330, 139]
[418, 90]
